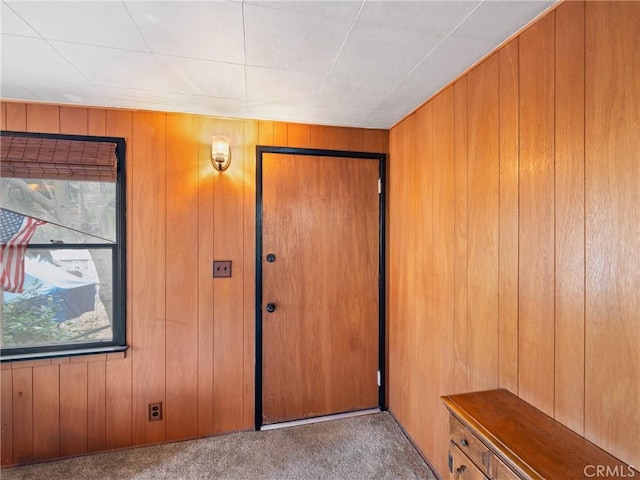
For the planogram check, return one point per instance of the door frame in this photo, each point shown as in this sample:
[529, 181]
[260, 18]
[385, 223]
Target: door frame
[382, 158]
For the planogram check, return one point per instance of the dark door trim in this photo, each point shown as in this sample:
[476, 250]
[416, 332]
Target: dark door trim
[382, 158]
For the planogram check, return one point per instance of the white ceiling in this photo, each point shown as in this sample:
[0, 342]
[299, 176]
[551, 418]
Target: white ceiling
[355, 63]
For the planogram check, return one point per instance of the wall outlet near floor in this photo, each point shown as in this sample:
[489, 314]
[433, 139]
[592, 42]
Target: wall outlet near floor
[155, 411]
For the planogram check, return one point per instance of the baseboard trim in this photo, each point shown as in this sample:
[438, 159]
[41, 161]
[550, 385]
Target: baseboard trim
[325, 418]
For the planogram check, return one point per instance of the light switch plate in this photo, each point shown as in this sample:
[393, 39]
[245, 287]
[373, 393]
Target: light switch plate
[221, 268]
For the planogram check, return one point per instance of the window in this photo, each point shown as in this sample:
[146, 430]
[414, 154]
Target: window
[62, 264]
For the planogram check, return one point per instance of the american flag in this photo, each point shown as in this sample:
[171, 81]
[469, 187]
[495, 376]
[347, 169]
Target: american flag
[15, 232]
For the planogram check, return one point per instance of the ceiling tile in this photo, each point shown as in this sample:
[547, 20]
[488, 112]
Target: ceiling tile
[117, 68]
[343, 10]
[452, 57]
[12, 24]
[352, 92]
[147, 100]
[382, 52]
[292, 41]
[95, 23]
[205, 30]
[276, 111]
[204, 77]
[13, 89]
[497, 20]
[286, 86]
[63, 92]
[382, 119]
[33, 57]
[339, 117]
[425, 16]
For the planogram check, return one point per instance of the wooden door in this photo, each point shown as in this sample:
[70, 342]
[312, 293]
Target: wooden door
[320, 220]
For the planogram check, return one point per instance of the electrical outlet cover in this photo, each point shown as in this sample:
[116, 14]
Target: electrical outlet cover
[221, 268]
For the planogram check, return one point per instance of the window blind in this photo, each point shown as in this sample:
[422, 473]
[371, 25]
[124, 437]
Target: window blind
[37, 157]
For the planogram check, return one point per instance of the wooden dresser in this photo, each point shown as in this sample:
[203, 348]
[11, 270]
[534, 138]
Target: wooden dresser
[496, 435]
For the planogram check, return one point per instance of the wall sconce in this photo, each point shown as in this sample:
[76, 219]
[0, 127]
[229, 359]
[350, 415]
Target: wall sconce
[220, 152]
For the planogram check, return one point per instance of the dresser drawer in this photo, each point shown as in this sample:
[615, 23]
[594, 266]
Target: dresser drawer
[501, 471]
[468, 443]
[461, 467]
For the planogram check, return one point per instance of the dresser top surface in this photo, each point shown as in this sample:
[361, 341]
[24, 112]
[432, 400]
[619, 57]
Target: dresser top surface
[526, 438]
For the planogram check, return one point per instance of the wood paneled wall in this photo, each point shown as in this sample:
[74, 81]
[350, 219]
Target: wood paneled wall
[191, 338]
[515, 233]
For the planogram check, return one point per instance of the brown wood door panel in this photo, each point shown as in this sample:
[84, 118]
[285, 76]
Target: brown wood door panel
[320, 346]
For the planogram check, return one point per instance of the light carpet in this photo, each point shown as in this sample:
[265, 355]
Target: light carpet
[357, 448]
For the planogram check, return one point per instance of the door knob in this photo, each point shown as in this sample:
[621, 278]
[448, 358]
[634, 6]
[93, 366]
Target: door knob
[271, 307]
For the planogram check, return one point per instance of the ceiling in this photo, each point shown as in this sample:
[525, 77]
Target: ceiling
[354, 63]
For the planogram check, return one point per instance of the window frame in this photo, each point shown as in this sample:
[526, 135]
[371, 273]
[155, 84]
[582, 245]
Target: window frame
[119, 270]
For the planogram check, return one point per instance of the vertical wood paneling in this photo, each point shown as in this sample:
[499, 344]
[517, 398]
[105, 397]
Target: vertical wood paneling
[16, 117]
[118, 372]
[336, 138]
[205, 283]
[101, 401]
[22, 414]
[280, 134]
[443, 270]
[460, 369]
[536, 291]
[46, 413]
[228, 353]
[569, 226]
[96, 122]
[148, 228]
[423, 295]
[249, 262]
[96, 403]
[43, 118]
[612, 168]
[317, 136]
[298, 135]
[3, 116]
[181, 408]
[74, 120]
[6, 415]
[508, 261]
[73, 409]
[483, 225]
[265, 133]
[398, 193]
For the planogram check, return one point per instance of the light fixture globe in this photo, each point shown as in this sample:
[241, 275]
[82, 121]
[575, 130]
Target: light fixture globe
[220, 152]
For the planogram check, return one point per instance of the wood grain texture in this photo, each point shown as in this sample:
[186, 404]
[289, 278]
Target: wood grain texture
[461, 273]
[298, 135]
[280, 134]
[483, 224]
[43, 118]
[336, 138]
[612, 171]
[96, 405]
[570, 220]
[320, 348]
[443, 273]
[181, 377]
[424, 318]
[22, 415]
[6, 416]
[536, 279]
[250, 132]
[74, 120]
[228, 384]
[73, 409]
[508, 261]
[3, 115]
[46, 420]
[205, 282]
[117, 388]
[148, 229]
[16, 117]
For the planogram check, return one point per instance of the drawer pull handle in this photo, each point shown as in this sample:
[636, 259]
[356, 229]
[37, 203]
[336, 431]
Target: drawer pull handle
[461, 469]
[464, 442]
